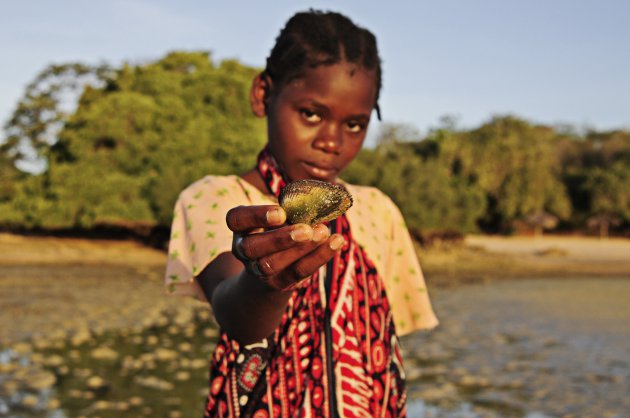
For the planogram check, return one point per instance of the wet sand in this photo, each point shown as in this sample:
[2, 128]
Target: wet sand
[53, 285]
[486, 258]
[69, 302]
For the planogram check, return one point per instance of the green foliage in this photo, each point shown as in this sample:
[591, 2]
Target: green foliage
[40, 113]
[592, 169]
[141, 133]
[9, 177]
[514, 163]
[28, 207]
[429, 195]
[137, 140]
[504, 172]
[609, 191]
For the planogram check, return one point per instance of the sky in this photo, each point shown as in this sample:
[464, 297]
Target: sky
[547, 61]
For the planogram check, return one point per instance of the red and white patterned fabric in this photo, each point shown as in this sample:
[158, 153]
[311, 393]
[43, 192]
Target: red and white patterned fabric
[286, 375]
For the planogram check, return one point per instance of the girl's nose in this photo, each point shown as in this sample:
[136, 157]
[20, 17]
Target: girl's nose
[329, 140]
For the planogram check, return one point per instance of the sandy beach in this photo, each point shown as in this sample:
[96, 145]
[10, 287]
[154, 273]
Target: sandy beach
[51, 285]
[89, 319]
[56, 286]
[484, 258]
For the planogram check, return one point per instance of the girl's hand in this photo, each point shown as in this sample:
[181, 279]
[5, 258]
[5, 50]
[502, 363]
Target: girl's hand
[280, 255]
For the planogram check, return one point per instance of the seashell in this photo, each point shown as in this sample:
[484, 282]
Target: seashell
[313, 201]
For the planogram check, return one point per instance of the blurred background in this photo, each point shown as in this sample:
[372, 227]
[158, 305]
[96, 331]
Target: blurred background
[505, 141]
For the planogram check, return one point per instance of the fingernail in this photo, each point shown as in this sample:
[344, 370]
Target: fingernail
[320, 233]
[301, 233]
[336, 242]
[275, 216]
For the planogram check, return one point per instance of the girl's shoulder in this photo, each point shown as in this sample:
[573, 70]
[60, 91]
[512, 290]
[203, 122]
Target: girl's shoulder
[208, 184]
[223, 188]
[370, 200]
[375, 220]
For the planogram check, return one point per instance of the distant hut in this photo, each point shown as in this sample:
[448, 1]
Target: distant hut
[603, 222]
[540, 221]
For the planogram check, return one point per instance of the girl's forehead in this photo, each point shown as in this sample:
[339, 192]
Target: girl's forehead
[331, 72]
[340, 80]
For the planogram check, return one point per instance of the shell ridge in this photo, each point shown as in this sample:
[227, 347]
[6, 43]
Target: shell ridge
[314, 201]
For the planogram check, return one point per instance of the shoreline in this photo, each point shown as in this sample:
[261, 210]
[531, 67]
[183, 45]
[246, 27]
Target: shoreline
[486, 258]
[53, 286]
[87, 328]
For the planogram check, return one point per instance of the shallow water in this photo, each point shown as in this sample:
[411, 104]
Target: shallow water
[527, 348]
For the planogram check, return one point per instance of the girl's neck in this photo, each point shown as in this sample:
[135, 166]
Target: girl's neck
[253, 177]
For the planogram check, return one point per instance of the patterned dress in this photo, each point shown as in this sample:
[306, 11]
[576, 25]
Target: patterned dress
[335, 352]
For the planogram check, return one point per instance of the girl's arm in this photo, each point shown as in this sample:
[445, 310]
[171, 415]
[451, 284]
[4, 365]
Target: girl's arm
[248, 296]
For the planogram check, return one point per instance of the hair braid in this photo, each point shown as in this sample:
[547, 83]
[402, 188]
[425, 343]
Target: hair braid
[313, 38]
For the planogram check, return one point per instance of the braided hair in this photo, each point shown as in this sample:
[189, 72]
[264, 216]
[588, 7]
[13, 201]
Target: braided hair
[313, 38]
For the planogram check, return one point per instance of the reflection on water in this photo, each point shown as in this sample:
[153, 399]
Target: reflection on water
[511, 349]
[419, 408]
[160, 371]
[529, 348]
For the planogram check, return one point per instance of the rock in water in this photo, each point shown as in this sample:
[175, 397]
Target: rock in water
[313, 202]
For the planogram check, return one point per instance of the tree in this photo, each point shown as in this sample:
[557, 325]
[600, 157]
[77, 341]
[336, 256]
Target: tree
[429, 195]
[609, 191]
[585, 161]
[42, 111]
[149, 132]
[133, 142]
[9, 176]
[139, 134]
[514, 163]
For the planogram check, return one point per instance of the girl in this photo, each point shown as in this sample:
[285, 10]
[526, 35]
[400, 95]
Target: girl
[309, 316]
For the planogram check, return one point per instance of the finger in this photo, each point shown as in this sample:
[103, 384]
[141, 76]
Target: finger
[255, 246]
[295, 264]
[265, 259]
[275, 264]
[306, 266]
[320, 232]
[247, 218]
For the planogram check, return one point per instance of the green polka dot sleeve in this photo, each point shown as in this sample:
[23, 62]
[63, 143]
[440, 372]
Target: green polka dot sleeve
[404, 281]
[178, 262]
[199, 233]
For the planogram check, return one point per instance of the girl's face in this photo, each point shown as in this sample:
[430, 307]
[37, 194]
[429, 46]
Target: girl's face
[317, 123]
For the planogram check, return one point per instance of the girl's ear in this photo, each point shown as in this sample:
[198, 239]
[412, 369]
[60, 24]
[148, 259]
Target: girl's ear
[260, 94]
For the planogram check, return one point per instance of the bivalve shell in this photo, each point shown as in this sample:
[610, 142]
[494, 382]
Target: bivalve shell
[313, 201]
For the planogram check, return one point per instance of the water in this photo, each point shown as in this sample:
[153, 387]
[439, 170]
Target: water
[160, 371]
[526, 349]
[516, 348]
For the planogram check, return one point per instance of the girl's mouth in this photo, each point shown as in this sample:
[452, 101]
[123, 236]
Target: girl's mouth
[318, 171]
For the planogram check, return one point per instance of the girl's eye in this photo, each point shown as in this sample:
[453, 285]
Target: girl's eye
[355, 127]
[310, 116]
